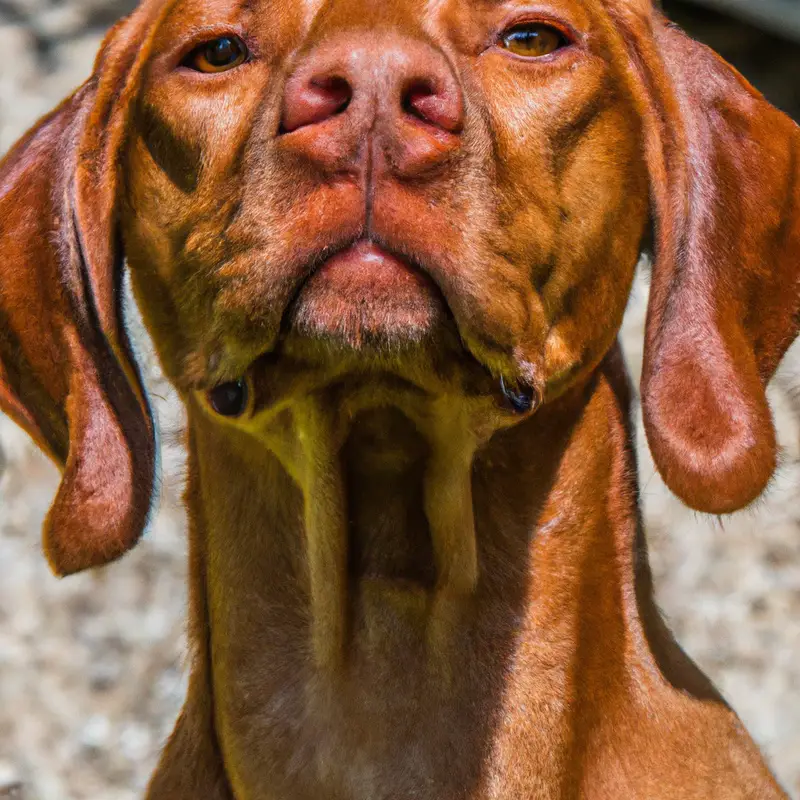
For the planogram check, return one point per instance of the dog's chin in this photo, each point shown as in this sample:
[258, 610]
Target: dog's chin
[367, 301]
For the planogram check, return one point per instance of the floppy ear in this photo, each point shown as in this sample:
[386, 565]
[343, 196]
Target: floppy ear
[725, 297]
[66, 372]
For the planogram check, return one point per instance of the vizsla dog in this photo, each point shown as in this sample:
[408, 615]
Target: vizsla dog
[384, 250]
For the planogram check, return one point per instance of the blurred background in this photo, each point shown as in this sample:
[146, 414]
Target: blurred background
[92, 668]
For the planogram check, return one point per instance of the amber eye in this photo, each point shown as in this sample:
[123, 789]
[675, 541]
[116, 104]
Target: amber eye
[218, 55]
[533, 40]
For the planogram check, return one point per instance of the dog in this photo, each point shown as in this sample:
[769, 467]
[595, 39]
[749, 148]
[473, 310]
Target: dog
[383, 251]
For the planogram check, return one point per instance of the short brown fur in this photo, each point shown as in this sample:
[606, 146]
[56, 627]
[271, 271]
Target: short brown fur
[399, 586]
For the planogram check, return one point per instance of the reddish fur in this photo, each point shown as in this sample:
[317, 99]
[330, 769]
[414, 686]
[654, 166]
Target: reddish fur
[524, 655]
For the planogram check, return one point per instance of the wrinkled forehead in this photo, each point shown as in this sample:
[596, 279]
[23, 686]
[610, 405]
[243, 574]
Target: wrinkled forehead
[290, 22]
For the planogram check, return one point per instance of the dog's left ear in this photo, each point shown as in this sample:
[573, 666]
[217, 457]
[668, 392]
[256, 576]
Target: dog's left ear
[66, 371]
[725, 297]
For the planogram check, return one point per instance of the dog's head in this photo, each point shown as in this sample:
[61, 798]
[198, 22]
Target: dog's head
[338, 185]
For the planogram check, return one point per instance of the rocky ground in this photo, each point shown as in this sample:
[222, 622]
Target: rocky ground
[91, 669]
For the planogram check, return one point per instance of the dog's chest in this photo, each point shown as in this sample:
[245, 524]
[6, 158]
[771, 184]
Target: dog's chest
[396, 727]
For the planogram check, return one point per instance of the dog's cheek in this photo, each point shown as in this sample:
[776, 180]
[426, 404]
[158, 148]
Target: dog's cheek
[604, 213]
[184, 187]
[573, 202]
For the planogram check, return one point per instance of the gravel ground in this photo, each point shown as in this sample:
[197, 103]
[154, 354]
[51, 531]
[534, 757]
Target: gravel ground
[91, 668]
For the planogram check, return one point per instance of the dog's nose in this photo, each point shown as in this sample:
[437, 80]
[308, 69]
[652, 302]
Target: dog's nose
[398, 92]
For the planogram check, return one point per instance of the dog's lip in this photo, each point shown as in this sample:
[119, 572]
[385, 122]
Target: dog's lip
[367, 255]
[386, 267]
[361, 279]
[370, 263]
[296, 363]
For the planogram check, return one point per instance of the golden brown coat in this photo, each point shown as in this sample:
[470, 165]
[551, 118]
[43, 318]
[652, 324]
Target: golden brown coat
[401, 585]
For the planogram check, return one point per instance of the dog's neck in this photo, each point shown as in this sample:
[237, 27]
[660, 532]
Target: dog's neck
[348, 611]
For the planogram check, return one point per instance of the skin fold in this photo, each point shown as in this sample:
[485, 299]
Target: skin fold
[404, 250]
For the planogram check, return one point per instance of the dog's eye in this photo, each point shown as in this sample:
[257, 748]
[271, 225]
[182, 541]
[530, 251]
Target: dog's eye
[533, 40]
[218, 55]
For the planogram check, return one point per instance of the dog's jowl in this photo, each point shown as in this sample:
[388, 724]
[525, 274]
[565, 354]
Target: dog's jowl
[384, 250]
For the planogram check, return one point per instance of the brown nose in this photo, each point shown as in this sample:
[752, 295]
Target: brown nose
[399, 92]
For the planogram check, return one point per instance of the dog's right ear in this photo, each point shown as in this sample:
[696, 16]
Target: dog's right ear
[66, 372]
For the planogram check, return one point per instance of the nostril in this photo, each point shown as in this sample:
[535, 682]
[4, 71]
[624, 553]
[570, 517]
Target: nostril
[416, 93]
[315, 101]
[337, 91]
[438, 105]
